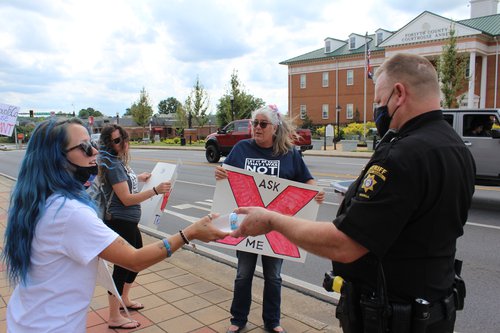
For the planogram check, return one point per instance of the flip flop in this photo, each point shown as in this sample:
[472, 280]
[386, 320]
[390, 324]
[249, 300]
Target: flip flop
[134, 307]
[124, 325]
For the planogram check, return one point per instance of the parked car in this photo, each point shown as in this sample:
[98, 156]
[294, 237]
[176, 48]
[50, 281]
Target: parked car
[483, 144]
[480, 131]
[220, 143]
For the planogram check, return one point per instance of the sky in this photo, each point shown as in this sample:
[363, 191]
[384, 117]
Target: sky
[68, 55]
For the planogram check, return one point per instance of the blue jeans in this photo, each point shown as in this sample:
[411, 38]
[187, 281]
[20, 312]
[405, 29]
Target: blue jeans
[240, 307]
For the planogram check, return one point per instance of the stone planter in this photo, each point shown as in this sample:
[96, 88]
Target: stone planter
[349, 145]
[317, 144]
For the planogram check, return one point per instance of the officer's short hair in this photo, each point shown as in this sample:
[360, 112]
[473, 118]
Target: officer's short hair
[413, 70]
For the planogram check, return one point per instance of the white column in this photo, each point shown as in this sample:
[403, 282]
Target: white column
[484, 74]
[472, 74]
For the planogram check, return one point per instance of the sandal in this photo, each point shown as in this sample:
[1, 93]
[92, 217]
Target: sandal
[125, 326]
[134, 306]
[237, 330]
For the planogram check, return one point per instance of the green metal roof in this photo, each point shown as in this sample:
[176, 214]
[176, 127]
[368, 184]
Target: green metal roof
[487, 24]
[320, 54]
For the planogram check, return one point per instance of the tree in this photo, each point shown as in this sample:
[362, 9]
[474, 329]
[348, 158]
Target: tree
[142, 111]
[85, 113]
[182, 121]
[307, 122]
[196, 105]
[356, 116]
[451, 68]
[168, 105]
[243, 103]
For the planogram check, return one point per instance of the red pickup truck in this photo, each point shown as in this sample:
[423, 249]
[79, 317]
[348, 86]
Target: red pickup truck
[220, 143]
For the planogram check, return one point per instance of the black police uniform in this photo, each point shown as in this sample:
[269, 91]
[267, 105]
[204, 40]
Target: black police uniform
[407, 208]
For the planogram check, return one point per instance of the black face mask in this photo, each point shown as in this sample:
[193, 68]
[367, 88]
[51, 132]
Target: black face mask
[83, 174]
[382, 117]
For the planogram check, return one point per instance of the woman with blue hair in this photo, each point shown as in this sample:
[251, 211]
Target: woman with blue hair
[54, 238]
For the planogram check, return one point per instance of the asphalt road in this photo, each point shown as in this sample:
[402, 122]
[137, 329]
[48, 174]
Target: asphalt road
[192, 198]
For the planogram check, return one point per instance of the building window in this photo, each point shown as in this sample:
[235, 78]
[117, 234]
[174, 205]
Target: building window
[302, 81]
[380, 38]
[349, 111]
[350, 77]
[352, 42]
[325, 79]
[328, 46]
[467, 69]
[303, 112]
[324, 111]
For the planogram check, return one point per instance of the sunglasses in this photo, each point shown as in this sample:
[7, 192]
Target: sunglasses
[262, 124]
[117, 140]
[86, 146]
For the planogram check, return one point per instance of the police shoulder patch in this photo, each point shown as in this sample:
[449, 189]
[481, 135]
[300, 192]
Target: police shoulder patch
[372, 183]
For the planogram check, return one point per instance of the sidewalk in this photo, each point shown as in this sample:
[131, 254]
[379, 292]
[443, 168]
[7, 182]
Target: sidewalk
[188, 293]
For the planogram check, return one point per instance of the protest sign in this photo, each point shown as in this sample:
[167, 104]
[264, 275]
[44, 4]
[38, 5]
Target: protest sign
[153, 208]
[243, 188]
[8, 118]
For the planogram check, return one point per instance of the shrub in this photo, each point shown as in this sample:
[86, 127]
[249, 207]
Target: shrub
[356, 129]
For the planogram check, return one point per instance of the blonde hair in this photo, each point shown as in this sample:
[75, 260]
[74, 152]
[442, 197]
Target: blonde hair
[285, 131]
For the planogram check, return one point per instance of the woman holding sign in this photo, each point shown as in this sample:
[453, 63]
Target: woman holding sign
[54, 238]
[271, 152]
[121, 184]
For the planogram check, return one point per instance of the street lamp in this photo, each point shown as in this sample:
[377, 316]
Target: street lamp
[232, 106]
[117, 117]
[337, 110]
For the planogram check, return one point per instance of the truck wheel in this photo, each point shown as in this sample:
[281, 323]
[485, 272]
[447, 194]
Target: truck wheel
[212, 154]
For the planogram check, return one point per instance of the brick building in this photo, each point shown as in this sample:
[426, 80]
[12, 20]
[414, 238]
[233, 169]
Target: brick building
[334, 79]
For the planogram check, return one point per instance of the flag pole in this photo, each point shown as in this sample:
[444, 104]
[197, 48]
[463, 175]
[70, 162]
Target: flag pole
[364, 93]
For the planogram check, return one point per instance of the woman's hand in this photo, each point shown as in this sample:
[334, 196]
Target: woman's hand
[220, 173]
[320, 197]
[163, 188]
[204, 230]
[144, 177]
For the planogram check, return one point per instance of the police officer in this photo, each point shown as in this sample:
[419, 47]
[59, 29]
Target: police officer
[394, 238]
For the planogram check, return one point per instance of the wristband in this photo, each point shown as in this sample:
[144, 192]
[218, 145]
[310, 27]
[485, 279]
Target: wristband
[184, 238]
[154, 189]
[167, 247]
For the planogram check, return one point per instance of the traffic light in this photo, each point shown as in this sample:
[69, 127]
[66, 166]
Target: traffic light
[31, 114]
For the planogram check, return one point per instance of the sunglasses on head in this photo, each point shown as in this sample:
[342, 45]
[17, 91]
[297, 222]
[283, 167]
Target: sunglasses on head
[86, 146]
[262, 124]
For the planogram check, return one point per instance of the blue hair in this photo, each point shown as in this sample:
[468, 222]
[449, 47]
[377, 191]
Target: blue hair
[44, 171]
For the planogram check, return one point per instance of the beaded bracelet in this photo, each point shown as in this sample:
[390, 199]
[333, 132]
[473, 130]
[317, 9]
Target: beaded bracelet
[167, 247]
[184, 238]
